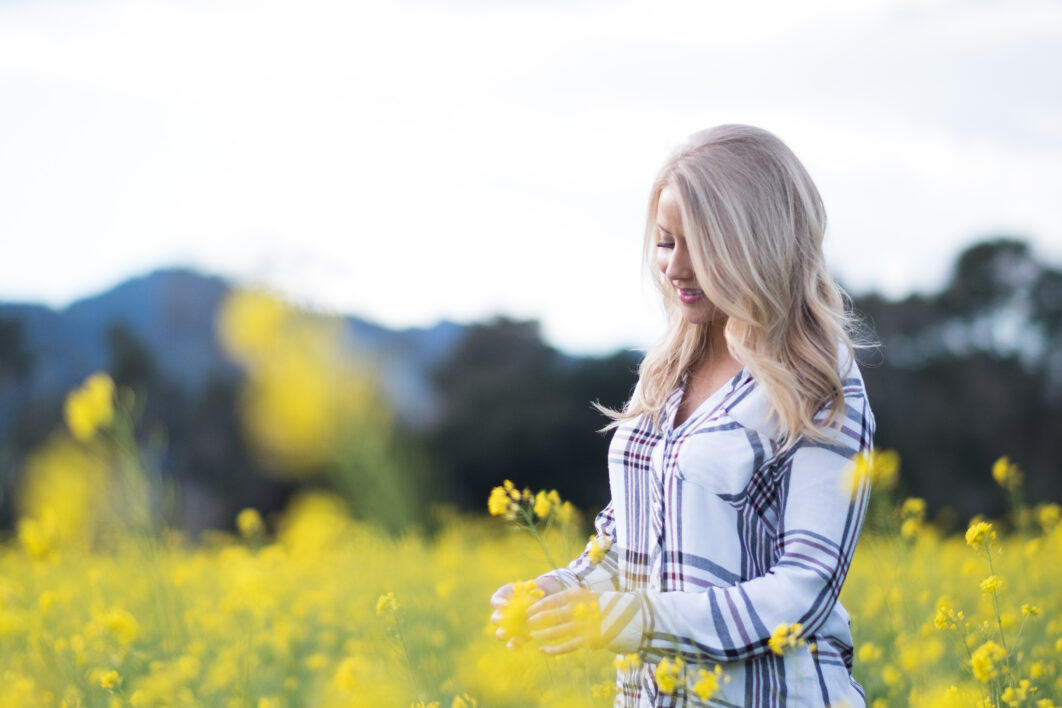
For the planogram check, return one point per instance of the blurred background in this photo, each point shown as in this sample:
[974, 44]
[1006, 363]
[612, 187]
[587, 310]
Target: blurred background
[451, 193]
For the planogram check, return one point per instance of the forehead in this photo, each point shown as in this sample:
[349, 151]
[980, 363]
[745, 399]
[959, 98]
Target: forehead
[669, 210]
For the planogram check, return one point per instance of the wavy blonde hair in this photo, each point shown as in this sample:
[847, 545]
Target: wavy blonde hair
[753, 223]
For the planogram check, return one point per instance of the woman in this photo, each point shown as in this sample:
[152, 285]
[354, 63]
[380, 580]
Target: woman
[730, 517]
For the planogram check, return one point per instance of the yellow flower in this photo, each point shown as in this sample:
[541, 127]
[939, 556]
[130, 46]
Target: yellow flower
[346, 675]
[785, 636]
[979, 533]
[668, 674]
[1006, 473]
[869, 651]
[1029, 610]
[628, 663]
[514, 612]
[39, 538]
[709, 683]
[121, 625]
[913, 507]
[587, 616]
[464, 701]
[565, 513]
[985, 661]
[599, 546]
[878, 468]
[546, 503]
[386, 603]
[990, 584]
[1048, 515]
[109, 679]
[606, 689]
[1014, 696]
[90, 407]
[507, 500]
[947, 618]
[249, 523]
[910, 528]
[498, 502]
[542, 505]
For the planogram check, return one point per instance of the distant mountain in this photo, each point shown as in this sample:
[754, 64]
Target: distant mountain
[171, 313]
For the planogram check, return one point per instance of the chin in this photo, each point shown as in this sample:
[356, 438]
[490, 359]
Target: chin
[701, 316]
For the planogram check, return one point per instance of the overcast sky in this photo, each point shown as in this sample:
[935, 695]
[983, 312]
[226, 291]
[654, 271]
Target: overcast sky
[412, 160]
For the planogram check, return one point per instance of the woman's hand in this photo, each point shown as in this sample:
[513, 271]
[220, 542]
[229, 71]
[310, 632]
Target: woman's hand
[565, 621]
[500, 599]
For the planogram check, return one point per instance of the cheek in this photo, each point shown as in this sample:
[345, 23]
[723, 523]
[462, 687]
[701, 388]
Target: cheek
[663, 257]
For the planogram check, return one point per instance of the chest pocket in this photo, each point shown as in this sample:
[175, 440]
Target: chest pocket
[721, 460]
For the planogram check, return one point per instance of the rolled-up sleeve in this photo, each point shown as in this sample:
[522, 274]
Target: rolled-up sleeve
[586, 571]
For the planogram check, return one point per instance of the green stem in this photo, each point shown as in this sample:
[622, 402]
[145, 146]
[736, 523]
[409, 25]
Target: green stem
[995, 602]
[529, 522]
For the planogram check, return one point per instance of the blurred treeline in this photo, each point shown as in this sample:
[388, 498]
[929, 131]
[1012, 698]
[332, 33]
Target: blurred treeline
[959, 378]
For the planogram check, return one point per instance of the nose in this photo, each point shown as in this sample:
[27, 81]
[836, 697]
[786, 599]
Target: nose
[679, 266]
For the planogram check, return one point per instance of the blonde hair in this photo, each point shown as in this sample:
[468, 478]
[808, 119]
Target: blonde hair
[753, 222]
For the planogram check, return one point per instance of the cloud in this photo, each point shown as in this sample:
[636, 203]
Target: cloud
[419, 159]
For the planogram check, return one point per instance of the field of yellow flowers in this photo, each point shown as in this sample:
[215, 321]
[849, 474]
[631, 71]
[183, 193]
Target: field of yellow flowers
[314, 607]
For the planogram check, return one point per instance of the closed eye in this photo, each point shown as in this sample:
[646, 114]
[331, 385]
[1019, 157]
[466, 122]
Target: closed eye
[665, 244]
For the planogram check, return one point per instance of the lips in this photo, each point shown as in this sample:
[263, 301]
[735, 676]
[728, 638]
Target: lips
[690, 295]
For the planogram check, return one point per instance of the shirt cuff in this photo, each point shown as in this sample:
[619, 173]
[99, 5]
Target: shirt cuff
[622, 621]
[565, 577]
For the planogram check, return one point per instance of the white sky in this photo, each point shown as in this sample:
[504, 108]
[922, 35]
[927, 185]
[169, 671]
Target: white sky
[417, 159]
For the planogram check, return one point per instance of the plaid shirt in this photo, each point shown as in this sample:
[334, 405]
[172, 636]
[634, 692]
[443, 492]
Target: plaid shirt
[718, 537]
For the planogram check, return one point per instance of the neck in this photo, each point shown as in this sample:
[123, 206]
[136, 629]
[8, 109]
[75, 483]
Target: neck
[716, 347]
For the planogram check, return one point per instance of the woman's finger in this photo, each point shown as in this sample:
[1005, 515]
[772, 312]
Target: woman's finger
[501, 596]
[562, 648]
[549, 602]
[549, 617]
[555, 634]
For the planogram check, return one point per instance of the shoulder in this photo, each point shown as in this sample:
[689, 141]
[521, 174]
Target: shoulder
[751, 408]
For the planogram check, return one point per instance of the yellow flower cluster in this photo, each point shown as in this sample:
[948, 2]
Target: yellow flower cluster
[985, 660]
[912, 517]
[670, 674]
[786, 636]
[249, 523]
[880, 469]
[386, 604]
[513, 503]
[90, 407]
[708, 683]
[979, 534]
[1006, 473]
[507, 500]
[286, 618]
[598, 548]
[514, 613]
[305, 389]
[947, 617]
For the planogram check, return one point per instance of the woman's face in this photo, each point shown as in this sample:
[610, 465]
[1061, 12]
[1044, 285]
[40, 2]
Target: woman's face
[673, 259]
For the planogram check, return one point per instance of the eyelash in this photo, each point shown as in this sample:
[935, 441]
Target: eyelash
[665, 244]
